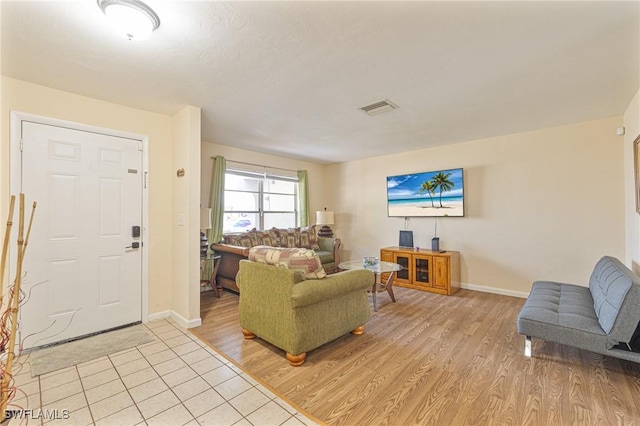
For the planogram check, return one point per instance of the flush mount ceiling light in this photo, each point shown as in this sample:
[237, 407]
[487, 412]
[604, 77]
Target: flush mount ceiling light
[132, 18]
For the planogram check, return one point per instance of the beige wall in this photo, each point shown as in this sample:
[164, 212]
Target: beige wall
[30, 98]
[539, 205]
[186, 203]
[632, 131]
[318, 190]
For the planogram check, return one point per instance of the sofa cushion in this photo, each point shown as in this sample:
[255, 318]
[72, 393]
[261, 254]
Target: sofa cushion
[242, 240]
[299, 259]
[562, 313]
[564, 305]
[629, 314]
[609, 287]
[325, 256]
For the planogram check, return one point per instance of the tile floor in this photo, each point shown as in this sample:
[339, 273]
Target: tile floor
[175, 380]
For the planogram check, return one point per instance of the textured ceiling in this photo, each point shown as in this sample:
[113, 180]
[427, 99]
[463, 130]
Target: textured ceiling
[288, 78]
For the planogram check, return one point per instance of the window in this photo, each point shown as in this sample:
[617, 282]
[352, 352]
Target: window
[259, 200]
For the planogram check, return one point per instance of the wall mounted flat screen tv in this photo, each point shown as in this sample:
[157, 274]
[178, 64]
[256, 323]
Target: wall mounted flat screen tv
[427, 194]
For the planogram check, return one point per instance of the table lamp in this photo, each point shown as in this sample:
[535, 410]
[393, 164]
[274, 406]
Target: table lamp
[205, 223]
[324, 217]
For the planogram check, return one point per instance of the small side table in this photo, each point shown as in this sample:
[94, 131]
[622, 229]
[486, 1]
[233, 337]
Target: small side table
[214, 262]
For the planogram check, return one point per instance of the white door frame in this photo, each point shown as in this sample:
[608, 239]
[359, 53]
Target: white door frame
[15, 177]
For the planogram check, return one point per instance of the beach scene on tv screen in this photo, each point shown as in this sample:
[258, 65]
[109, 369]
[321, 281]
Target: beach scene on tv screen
[437, 193]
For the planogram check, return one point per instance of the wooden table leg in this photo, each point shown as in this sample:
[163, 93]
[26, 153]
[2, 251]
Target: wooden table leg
[389, 286]
[386, 286]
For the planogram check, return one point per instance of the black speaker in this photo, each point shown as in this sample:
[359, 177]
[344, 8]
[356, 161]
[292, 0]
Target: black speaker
[435, 244]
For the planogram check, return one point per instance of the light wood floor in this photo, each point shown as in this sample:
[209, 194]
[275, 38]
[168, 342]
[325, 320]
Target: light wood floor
[431, 359]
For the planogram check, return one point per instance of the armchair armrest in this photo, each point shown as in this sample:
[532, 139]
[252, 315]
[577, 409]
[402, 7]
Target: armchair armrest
[228, 248]
[230, 255]
[309, 292]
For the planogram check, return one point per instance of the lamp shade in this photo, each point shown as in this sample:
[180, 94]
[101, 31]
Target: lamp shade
[324, 217]
[205, 218]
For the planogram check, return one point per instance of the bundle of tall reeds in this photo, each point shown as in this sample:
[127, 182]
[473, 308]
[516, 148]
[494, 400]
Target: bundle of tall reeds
[9, 325]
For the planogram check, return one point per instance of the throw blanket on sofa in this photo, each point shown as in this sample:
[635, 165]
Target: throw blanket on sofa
[300, 259]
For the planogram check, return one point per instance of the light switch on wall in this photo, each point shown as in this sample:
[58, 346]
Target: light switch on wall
[181, 219]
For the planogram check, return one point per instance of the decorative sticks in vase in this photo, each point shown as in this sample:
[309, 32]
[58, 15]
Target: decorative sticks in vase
[9, 325]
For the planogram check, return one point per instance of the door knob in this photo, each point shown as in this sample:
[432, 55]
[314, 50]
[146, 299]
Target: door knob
[133, 245]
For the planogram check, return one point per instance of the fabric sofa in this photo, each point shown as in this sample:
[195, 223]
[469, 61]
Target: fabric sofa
[296, 314]
[603, 317]
[235, 247]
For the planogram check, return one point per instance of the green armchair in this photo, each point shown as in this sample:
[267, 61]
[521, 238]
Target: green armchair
[297, 315]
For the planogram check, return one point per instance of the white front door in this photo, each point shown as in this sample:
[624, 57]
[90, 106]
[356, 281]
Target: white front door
[83, 275]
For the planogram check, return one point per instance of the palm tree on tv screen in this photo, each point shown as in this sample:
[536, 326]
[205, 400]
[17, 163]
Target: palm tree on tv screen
[429, 188]
[442, 182]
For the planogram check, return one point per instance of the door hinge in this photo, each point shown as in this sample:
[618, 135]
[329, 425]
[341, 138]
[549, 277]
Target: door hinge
[146, 173]
[21, 144]
[140, 147]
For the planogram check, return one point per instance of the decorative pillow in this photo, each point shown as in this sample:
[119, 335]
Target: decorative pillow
[309, 238]
[264, 239]
[287, 238]
[275, 237]
[296, 235]
[244, 241]
[233, 239]
[299, 259]
[254, 236]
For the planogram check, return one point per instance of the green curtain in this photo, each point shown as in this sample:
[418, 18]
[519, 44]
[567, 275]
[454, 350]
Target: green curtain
[303, 185]
[217, 200]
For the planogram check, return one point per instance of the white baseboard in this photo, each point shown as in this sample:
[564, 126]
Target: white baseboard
[197, 322]
[159, 315]
[494, 290]
[182, 321]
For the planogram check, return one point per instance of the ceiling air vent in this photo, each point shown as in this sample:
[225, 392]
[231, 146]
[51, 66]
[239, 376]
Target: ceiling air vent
[379, 107]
